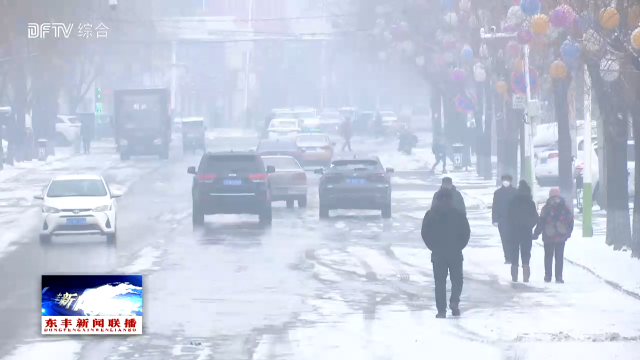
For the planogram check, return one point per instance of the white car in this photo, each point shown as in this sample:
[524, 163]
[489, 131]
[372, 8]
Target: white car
[284, 127]
[546, 162]
[390, 121]
[78, 205]
[631, 171]
[67, 130]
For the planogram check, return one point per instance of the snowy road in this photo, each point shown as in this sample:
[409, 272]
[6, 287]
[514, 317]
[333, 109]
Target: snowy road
[353, 287]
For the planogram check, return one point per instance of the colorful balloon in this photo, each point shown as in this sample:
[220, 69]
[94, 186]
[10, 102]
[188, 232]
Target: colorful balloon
[635, 38]
[501, 87]
[570, 51]
[562, 16]
[466, 53]
[609, 18]
[530, 7]
[457, 75]
[540, 24]
[524, 36]
[557, 69]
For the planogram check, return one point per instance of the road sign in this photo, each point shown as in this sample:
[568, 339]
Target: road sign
[519, 83]
[464, 103]
[519, 101]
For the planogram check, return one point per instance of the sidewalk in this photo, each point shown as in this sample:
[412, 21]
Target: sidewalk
[62, 153]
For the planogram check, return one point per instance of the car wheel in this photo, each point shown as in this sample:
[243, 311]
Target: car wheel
[45, 239]
[302, 202]
[266, 216]
[124, 156]
[386, 211]
[112, 238]
[290, 204]
[323, 212]
[197, 216]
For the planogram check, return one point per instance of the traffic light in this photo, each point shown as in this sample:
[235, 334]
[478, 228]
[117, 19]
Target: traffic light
[98, 100]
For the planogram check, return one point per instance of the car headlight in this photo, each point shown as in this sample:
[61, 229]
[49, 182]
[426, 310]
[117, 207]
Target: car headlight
[50, 210]
[102, 208]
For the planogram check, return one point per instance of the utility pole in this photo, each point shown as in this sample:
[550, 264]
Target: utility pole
[587, 191]
[532, 108]
[246, 68]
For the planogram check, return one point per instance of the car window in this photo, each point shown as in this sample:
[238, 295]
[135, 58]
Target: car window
[286, 124]
[76, 187]
[286, 115]
[312, 139]
[277, 146]
[229, 164]
[305, 115]
[356, 164]
[281, 163]
[60, 121]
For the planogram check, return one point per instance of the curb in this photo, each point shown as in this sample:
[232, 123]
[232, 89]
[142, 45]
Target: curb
[611, 283]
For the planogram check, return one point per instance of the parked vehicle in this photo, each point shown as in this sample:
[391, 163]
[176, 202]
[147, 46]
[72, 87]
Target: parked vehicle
[318, 148]
[142, 122]
[193, 134]
[67, 130]
[284, 128]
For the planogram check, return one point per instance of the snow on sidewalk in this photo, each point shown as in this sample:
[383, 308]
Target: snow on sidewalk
[9, 171]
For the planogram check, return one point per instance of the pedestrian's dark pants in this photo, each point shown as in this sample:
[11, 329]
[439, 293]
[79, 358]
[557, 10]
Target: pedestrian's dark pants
[551, 250]
[86, 143]
[440, 158]
[441, 269]
[506, 242]
[347, 144]
[520, 248]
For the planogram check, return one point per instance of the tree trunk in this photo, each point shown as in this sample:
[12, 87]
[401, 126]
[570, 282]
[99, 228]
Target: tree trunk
[635, 243]
[510, 150]
[479, 132]
[500, 135]
[565, 171]
[436, 116]
[18, 107]
[611, 105]
[489, 115]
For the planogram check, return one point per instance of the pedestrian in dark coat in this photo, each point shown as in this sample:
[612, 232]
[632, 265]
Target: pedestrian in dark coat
[87, 131]
[458, 200]
[446, 232]
[347, 133]
[522, 217]
[555, 225]
[439, 149]
[501, 199]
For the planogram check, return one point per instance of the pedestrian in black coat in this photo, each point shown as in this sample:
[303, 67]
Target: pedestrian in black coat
[458, 200]
[522, 217]
[446, 232]
[439, 149]
[501, 199]
[87, 131]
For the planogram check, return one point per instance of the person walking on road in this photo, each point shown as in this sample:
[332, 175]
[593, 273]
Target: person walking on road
[457, 200]
[446, 232]
[347, 133]
[501, 199]
[87, 130]
[440, 151]
[522, 217]
[555, 225]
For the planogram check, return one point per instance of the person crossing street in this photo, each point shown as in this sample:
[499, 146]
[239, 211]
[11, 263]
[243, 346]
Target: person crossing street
[439, 149]
[347, 133]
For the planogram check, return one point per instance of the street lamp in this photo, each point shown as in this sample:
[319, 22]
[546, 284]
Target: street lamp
[532, 109]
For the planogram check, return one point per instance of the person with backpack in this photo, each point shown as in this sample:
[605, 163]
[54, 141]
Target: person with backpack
[522, 217]
[556, 225]
[501, 199]
[446, 232]
[439, 149]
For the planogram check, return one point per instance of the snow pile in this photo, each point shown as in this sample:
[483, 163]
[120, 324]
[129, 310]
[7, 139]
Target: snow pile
[65, 349]
[617, 268]
[420, 159]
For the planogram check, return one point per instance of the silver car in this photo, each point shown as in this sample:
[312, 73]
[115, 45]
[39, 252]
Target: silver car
[288, 182]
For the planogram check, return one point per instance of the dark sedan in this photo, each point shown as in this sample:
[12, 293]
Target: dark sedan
[355, 184]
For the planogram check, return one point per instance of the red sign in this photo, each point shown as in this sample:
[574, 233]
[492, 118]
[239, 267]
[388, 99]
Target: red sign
[92, 325]
[519, 83]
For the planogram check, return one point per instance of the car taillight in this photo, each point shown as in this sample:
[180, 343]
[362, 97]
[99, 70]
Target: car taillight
[300, 176]
[552, 155]
[377, 178]
[580, 166]
[258, 176]
[206, 177]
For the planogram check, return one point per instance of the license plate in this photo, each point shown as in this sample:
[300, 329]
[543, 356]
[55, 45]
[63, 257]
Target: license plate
[76, 221]
[232, 182]
[356, 181]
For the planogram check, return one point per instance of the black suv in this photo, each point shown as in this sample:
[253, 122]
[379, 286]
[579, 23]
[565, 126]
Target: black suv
[355, 184]
[231, 183]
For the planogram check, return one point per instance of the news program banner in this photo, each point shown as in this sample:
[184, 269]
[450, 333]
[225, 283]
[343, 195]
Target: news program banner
[92, 304]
